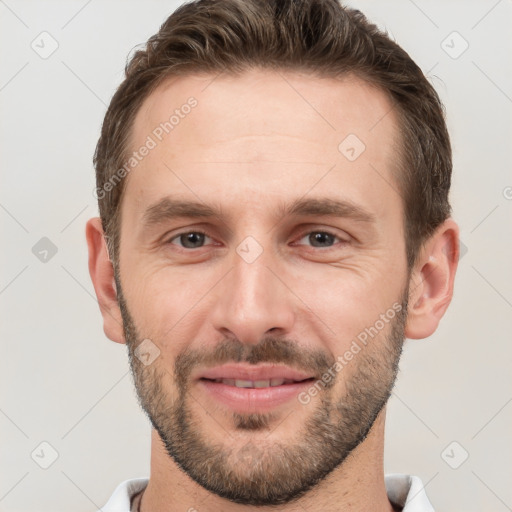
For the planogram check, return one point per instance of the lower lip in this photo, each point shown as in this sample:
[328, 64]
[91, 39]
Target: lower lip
[253, 399]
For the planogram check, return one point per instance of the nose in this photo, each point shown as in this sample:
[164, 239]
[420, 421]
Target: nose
[252, 301]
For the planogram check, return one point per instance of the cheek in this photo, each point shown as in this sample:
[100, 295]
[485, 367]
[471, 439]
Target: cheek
[163, 288]
[346, 314]
[345, 299]
[167, 306]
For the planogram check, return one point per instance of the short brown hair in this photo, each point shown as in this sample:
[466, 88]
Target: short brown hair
[317, 36]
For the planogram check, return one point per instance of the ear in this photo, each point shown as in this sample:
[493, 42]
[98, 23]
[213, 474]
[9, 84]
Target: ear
[102, 275]
[431, 283]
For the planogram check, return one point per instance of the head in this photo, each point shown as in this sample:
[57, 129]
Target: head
[273, 184]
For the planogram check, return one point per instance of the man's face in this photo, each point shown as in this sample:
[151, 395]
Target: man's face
[274, 286]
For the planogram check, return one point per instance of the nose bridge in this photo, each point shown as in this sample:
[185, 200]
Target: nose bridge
[251, 299]
[252, 283]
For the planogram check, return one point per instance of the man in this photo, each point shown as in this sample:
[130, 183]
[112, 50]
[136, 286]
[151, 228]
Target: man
[273, 184]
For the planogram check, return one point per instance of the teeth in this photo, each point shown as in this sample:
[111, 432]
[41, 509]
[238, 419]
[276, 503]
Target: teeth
[254, 383]
[244, 384]
[261, 383]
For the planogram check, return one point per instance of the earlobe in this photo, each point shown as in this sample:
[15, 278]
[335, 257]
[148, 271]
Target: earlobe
[101, 271]
[432, 279]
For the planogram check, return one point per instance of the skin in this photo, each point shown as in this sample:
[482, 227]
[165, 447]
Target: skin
[254, 143]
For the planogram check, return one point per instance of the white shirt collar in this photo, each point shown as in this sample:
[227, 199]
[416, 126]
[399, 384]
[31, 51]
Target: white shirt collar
[406, 491]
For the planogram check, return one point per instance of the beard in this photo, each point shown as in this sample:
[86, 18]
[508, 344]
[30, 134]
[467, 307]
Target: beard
[266, 473]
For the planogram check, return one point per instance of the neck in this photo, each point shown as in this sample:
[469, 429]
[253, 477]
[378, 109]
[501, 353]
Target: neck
[356, 485]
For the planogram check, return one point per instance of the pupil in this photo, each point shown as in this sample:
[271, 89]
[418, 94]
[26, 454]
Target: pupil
[321, 238]
[192, 240]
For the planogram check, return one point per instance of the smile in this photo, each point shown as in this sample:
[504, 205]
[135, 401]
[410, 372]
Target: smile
[254, 383]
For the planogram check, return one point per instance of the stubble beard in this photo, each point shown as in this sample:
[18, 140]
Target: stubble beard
[264, 474]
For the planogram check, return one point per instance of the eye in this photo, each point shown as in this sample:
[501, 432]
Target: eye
[196, 239]
[321, 239]
[190, 239]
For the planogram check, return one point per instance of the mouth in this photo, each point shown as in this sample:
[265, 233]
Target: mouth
[257, 384]
[244, 375]
[253, 388]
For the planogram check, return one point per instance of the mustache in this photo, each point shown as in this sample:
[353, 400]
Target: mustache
[268, 350]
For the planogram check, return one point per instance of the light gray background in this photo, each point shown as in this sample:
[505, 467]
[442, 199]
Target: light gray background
[64, 383]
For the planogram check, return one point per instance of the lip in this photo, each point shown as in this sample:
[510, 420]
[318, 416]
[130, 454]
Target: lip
[253, 399]
[251, 372]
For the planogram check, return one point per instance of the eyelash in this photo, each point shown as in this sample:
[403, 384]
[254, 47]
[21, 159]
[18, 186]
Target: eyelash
[304, 234]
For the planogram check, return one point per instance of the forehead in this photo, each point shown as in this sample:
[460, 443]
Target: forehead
[217, 133]
[256, 99]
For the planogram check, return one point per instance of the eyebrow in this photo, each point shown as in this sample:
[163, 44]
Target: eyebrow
[169, 208]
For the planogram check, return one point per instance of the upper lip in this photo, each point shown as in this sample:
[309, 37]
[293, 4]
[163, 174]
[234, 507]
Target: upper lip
[253, 373]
